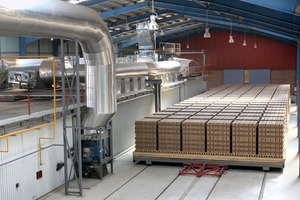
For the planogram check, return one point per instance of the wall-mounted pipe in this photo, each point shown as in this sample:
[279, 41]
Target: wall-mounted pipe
[59, 19]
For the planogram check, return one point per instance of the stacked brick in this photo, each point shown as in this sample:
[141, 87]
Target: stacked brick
[231, 120]
[193, 136]
[271, 139]
[244, 138]
[146, 134]
[218, 137]
[169, 135]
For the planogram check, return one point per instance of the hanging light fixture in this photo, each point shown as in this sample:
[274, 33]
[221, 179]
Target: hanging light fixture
[255, 45]
[245, 42]
[152, 24]
[206, 34]
[230, 36]
[162, 33]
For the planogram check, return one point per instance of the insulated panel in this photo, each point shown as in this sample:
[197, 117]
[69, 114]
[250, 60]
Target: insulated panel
[9, 46]
[259, 76]
[233, 76]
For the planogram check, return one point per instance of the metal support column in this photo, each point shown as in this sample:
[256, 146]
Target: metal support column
[298, 97]
[78, 116]
[298, 92]
[64, 115]
[71, 102]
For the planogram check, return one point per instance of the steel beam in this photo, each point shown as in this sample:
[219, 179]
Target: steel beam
[279, 5]
[136, 18]
[92, 2]
[195, 12]
[249, 17]
[158, 21]
[123, 10]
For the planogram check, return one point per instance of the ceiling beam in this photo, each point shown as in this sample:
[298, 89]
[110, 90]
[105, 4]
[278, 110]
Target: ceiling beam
[123, 10]
[131, 41]
[251, 18]
[195, 12]
[166, 19]
[243, 26]
[92, 2]
[136, 18]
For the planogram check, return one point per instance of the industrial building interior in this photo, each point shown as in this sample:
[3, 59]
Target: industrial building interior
[149, 99]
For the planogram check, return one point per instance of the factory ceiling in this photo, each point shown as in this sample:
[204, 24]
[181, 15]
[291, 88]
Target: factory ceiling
[181, 18]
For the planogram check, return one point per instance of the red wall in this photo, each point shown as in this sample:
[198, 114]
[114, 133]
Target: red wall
[270, 54]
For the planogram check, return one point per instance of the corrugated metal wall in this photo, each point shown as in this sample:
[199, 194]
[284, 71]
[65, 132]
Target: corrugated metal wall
[9, 46]
[20, 165]
[41, 47]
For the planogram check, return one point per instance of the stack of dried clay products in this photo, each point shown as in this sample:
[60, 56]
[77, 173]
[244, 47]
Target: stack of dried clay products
[231, 120]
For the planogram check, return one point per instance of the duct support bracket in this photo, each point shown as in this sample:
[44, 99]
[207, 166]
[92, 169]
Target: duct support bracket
[157, 88]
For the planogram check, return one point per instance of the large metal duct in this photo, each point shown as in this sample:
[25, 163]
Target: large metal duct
[122, 69]
[3, 71]
[58, 19]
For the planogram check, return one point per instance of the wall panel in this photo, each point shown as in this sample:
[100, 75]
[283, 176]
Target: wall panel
[20, 164]
[270, 54]
[284, 77]
[9, 46]
[214, 79]
[233, 76]
[259, 76]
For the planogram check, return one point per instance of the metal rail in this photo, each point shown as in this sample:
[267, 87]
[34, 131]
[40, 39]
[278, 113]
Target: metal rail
[6, 136]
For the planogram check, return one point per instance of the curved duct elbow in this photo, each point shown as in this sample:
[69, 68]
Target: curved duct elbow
[59, 19]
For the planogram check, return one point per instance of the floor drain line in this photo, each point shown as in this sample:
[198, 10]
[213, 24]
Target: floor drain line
[262, 189]
[167, 187]
[126, 182]
[189, 188]
[212, 189]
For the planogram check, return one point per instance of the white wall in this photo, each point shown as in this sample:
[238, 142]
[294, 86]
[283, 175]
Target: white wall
[22, 162]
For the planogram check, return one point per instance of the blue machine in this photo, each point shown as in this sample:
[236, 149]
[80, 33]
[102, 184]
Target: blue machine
[91, 151]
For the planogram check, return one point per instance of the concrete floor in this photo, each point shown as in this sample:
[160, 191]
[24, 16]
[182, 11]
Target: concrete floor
[138, 181]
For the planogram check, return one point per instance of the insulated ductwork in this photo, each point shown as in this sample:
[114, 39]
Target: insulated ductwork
[59, 19]
[3, 71]
[122, 69]
[46, 71]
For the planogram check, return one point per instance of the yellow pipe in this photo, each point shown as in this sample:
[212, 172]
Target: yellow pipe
[25, 130]
[22, 131]
[7, 149]
[46, 138]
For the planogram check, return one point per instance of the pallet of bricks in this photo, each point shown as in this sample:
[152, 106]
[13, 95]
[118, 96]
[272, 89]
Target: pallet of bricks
[230, 123]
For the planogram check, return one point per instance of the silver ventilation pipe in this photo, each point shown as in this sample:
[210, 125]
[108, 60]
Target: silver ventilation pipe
[59, 19]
